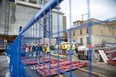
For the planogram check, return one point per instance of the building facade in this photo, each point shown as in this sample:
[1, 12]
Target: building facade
[103, 32]
[21, 11]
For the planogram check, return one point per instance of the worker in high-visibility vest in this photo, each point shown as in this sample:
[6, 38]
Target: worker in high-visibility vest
[68, 48]
[73, 49]
[64, 49]
[56, 46]
[47, 49]
[27, 50]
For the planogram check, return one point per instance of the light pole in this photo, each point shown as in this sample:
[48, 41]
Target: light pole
[83, 17]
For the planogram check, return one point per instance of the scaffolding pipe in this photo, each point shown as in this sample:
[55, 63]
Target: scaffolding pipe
[41, 13]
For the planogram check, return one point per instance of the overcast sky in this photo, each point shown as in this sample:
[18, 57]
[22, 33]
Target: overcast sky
[99, 9]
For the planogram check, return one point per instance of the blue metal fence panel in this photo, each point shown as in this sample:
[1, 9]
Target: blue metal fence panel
[22, 54]
[41, 13]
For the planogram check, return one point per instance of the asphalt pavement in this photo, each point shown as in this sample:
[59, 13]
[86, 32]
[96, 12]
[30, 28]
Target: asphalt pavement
[4, 67]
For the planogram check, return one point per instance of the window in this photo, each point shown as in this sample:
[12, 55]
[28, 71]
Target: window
[40, 1]
[87, 30]
[81, 31]
[87, 40]
[33, 1]
[81, 40]
[73, 33]
[102, 31]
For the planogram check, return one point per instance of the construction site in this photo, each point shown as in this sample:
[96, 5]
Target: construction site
[57, 38]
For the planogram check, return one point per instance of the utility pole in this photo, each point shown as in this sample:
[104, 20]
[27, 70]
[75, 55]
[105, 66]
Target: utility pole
[83, 17]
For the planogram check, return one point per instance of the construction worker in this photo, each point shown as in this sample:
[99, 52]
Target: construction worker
[73, 48]
[39, 50]
[60, 46]
[68, 47]
[47, 49]
[64, 49]
[43, 50]
[27, 50]
[76, 48]
[33, 50]
[36, 50]
[56, 46]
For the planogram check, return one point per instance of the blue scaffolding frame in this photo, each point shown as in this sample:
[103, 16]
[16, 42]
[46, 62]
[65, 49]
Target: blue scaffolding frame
[17, 69]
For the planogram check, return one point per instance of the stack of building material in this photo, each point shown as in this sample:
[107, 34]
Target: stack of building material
[53, 66]
[60, 66]
[29, 62]
[111, 52]
[103, 55]
[46, 59]
[113, 62]
[62, 56]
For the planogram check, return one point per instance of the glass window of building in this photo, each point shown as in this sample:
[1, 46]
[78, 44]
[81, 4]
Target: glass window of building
[87, 30]
[81, 40]
[33, 1]
[87, 39]
[81, 31]
[40, 1]
[73, 33]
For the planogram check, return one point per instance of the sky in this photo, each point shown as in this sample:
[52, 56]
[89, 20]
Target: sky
[99, 9]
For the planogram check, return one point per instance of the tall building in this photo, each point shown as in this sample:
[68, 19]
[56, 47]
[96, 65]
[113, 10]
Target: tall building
[101, 32]
[20, 13]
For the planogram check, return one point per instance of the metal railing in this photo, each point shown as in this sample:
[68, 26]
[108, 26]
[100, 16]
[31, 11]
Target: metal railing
[31, 55]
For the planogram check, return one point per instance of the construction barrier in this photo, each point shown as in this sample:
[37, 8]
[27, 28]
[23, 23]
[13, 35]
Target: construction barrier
[30, 51]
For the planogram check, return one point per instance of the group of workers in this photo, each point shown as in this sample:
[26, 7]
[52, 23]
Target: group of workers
[68, 49]
[36, 49]
[39, 49]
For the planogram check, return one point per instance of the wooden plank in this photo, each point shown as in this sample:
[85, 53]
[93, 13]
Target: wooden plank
[62, 56]
[93, 73]
[61, 75]
[103, 55]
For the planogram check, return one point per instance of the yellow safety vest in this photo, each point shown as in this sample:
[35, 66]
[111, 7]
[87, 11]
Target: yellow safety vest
[65, 46]
[68, 47]
[48, 49]
[73, 47]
